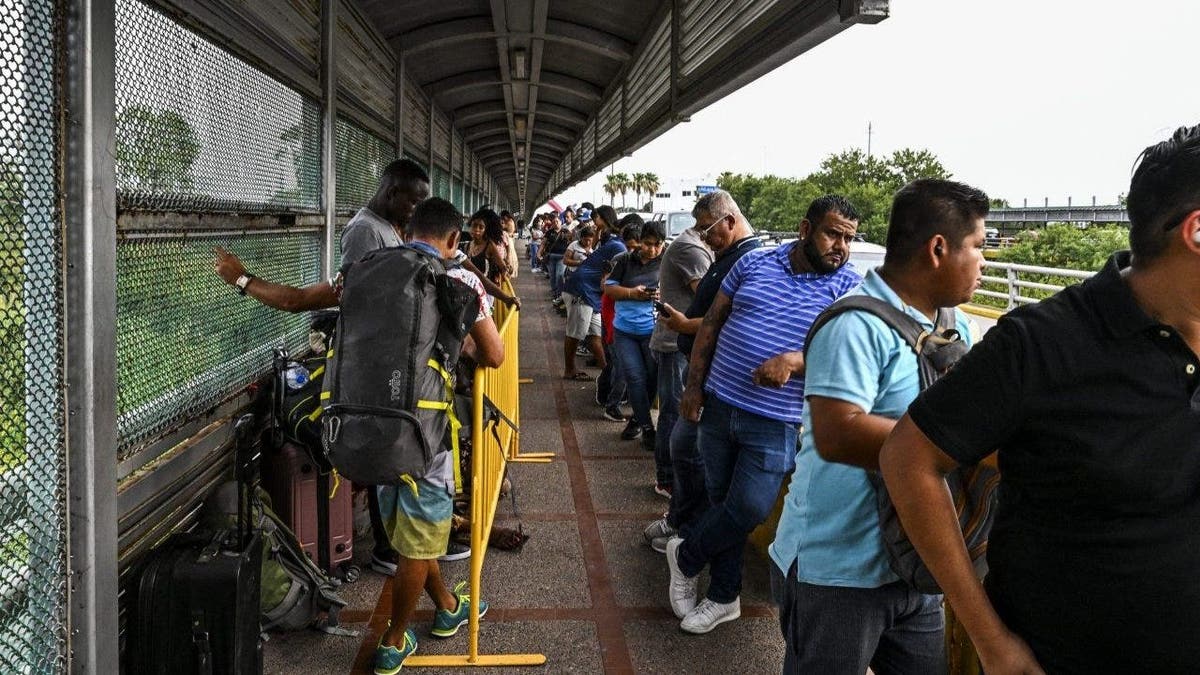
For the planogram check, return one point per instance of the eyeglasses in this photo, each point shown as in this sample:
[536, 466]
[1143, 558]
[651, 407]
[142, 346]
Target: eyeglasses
[704, 232]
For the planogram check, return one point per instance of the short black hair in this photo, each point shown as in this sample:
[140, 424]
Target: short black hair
[403, 171]
[630, 219]
[830, 204]
[607, 213]
[927, 207]
[631, 231]
[588, 206]
[505, 214]
[1165, 188]
[435, 217]
[656, 229]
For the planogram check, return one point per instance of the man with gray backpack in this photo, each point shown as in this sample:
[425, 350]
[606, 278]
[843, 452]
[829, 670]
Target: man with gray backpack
[844, 605]
[389, 404]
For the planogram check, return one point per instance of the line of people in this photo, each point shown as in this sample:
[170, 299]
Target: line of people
[1088, 401]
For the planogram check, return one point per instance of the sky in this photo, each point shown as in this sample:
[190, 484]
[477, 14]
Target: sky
[1025, 99]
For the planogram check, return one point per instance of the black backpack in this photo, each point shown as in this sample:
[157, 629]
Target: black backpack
[388, 389]
[972, 487]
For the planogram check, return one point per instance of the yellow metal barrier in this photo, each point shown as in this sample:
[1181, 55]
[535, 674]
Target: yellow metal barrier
[494, 442]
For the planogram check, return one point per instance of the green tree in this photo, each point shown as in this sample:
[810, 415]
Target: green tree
[155, 151]
[622, 183]
[612, 185]
[12, 317]
[1067, 246]
[636, 183]
[650, 183]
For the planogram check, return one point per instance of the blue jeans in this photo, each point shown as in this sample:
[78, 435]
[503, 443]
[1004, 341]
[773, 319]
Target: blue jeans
[555, 262]
[610, 385]
[689, 497]
[838, 630]
[641, 373]
[746, 457]
[671, 366]
[533, 253]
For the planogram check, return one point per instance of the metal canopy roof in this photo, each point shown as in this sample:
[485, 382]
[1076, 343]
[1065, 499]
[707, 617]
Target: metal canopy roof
[546, 93]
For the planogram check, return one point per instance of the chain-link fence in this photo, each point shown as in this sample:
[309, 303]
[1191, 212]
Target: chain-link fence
[32, 452]
[185, 340]
[361, 158]
[198, 129]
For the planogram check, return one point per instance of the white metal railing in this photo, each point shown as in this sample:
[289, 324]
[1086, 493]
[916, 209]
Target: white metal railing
[1014, 283]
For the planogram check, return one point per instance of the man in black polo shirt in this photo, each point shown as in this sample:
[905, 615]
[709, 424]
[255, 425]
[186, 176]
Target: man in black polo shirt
[721, 225]
[1091, 398]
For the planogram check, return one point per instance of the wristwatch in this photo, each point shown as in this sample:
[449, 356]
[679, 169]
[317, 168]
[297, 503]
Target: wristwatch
[242, 282]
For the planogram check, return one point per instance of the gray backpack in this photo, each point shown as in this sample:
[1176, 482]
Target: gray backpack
[388, 391]
[973, 487]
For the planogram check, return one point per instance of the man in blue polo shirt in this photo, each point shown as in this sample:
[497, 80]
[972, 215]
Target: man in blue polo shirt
[752, 398]
[841, 608]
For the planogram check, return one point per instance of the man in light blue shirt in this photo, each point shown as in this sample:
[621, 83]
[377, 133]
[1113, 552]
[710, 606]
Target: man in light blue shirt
[842, 608]
[745, 372]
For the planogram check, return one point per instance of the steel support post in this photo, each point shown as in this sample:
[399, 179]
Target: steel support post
[90, 306]
[329, 130]
[399, 103]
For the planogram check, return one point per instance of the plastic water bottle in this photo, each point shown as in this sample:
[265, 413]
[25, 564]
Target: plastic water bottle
[296, 376]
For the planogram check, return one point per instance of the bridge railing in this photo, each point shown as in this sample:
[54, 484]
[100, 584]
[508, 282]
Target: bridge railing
[1009, 285]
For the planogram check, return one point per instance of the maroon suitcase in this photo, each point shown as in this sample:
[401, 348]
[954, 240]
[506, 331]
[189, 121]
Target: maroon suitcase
[291, 478]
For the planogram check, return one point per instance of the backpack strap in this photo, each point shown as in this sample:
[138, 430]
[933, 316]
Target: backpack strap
[909, 329]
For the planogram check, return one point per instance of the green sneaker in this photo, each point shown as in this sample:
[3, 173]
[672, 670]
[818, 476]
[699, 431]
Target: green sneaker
[447, 623]
[389, 660]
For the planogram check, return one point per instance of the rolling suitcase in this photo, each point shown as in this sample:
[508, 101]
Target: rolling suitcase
[298, 492]
[197, 605]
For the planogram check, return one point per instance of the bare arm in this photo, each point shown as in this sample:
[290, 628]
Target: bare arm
[702, 353]
[491, 288]
[277, 296]
[845, 433]
[913, 468]
[624, 293]
[676, 321]
[485, 345]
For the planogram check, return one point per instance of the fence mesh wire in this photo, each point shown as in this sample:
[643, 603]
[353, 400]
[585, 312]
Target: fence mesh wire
[185, 340]
[361, 158]
[32, 453]
[198, 129]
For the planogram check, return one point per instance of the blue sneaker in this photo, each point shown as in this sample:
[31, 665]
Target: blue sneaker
[447, 623]
[389, 660]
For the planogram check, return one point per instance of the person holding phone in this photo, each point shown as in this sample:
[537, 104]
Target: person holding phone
[633, 285]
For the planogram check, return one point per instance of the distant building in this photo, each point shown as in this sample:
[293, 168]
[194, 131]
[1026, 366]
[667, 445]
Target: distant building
[681, 194]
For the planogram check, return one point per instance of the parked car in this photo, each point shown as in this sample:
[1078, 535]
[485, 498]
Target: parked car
[676, 222]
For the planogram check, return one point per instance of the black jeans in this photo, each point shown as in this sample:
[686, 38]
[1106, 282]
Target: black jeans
[836, 630]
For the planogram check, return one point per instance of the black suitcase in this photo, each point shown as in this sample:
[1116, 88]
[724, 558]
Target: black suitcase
[197, 605]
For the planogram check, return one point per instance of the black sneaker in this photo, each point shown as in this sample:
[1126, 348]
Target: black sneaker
[455, 551]
[632, 431]
[614, 413]
[648, 439]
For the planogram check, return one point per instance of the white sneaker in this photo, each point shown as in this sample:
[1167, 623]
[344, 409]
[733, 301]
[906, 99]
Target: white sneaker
[682, 589]
[708, 615]
[657, 530]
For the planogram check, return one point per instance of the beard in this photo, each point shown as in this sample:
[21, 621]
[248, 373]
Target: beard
[817, 260]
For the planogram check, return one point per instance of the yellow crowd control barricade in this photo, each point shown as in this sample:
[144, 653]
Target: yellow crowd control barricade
[495, 440]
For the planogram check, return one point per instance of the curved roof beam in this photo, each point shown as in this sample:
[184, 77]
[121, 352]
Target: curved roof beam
[481, 131]
[445, 34]
[474, 79]
[488, 110]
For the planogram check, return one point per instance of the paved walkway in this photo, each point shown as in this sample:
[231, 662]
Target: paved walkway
[585, 591]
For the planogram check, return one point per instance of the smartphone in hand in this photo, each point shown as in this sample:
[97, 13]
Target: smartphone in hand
[661, 308]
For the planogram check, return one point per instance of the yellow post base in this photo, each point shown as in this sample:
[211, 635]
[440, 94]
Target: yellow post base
[463, 660]
[533, 457]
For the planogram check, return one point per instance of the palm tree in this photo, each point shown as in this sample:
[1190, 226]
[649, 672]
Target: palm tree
[611, 187]
[650, 183]
[622, 183]
[637, 183]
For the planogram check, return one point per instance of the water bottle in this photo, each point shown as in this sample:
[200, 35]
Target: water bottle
[296, 376]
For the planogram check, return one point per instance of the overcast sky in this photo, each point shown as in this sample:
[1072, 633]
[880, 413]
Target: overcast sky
[1022, 98]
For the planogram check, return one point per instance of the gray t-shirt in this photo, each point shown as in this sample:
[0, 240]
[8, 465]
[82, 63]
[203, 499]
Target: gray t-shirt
[686, 260]
[366, 232]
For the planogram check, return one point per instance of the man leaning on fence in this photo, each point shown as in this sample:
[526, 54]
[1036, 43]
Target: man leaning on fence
[1091, 399]
[752, 398]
